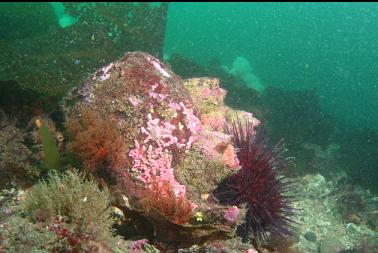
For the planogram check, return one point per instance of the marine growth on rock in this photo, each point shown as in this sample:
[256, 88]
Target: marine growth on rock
[156, 124]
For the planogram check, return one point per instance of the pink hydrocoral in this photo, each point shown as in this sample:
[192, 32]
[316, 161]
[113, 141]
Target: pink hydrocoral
[154, 162]
[175, 106]
[156, 95]
[138, 246]
[231, 214]
[152, 157]
[160, 132]
[215, 120]
[217, 146]
[215, 93]
[193, 123]
[134, 100]
[187, 125]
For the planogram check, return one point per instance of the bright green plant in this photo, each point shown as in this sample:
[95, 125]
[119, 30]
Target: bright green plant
[50, 149]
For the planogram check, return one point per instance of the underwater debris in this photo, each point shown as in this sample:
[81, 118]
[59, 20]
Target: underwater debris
[241, 68]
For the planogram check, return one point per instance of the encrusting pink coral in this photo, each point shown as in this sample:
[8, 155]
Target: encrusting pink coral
[152, 157]
[151, 163]
[159, 132]
[229, 156]
[138, 246]
[231, 214]
[208, 99]
[134, 101]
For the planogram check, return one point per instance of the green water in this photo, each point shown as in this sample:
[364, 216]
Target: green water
[328, 48]
[331, 47]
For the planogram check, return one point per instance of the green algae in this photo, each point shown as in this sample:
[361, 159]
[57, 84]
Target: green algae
[201, 174]
[50, 149]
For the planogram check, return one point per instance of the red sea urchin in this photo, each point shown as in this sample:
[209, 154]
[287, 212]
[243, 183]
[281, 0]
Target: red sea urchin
[259, 184]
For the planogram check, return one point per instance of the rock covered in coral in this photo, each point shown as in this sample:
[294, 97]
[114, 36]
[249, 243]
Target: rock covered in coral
[155, 113]
[208, 100]
[159, 129]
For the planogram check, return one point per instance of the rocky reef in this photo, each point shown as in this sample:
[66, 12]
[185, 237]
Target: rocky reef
[157, 141]
[146, 161]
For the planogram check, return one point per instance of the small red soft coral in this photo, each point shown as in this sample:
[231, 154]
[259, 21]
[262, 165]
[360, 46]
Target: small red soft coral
[96, 141]
[161, 197]
[258, 184]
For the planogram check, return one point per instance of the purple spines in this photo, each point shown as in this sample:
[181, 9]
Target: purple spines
[259, 184]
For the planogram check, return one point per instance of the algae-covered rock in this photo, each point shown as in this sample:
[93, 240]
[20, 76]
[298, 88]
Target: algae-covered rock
[155, 114]
[200, 174]
[172, 157]
[15, 156]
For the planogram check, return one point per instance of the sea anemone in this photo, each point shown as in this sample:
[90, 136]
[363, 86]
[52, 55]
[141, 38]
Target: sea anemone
[258, 184]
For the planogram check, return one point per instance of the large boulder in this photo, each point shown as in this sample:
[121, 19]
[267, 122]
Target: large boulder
[154, 137]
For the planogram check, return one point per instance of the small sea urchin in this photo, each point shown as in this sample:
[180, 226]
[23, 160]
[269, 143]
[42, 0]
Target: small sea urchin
[259, 184]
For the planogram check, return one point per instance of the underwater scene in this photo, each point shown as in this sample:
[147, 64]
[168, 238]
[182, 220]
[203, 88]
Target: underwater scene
[189, 127]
